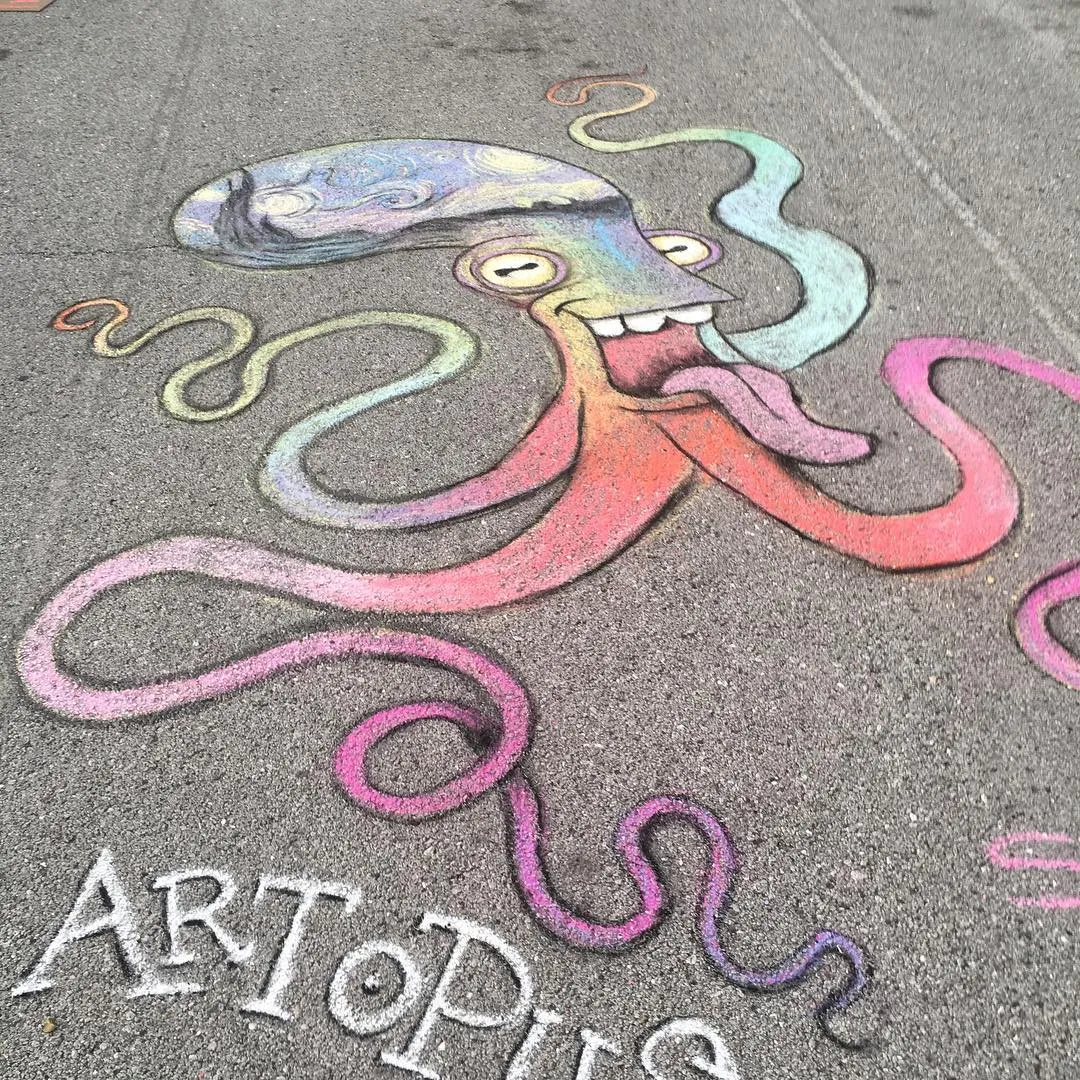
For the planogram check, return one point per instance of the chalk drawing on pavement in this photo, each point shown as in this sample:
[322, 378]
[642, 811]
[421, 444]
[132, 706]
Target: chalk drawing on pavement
[643, 365]
[1034, 856]
[24, 5]
[654, 402]
[377, 986]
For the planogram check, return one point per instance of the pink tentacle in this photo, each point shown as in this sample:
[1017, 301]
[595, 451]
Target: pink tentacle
[626, 473]
[1033, 627]
[525, 827]
[545, 453]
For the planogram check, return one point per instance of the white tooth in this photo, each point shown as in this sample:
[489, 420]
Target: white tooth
[612, 327]
[698, 314]
[646, 322]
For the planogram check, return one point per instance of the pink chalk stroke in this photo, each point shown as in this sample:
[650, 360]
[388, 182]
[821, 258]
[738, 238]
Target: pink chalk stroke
[1047, 903]
[1033, 632]
[500, 741]
[997, 851]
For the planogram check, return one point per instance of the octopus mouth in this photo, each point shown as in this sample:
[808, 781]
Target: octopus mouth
[670, 359]
[649, 322]
[640, 361]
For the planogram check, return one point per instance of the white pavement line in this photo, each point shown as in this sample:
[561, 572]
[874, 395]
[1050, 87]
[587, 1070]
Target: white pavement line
[937, 183]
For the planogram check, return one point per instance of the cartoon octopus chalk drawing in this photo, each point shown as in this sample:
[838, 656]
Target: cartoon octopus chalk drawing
[654, 401]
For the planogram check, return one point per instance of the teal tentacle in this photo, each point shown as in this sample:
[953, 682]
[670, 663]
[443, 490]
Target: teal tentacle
[834, 277]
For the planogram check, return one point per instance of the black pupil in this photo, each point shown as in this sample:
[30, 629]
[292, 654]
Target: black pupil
[677, 247]
[504, 271]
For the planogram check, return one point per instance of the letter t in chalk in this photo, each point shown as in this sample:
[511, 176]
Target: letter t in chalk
[281, 975]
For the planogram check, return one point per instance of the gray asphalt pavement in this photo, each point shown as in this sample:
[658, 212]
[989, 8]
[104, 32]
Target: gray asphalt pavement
[217, 880]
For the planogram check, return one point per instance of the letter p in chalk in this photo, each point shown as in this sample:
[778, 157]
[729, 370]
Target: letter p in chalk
[440, 1007]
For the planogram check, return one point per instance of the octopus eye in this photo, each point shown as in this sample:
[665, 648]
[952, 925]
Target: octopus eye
[681, 249]
[518, 270]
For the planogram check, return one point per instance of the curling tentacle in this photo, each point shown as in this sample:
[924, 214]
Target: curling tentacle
[1032, 623]
[174, 401]
[966, 526]
[524, 822]
[546, 452]
[834, 280]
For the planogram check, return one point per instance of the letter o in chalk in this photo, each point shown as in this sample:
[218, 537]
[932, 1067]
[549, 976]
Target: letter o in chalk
[722, 1066]
[341, 1008]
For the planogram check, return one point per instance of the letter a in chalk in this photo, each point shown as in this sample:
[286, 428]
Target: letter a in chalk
[102, 883]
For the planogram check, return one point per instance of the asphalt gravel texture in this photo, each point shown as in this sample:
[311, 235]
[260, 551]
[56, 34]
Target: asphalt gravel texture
[862, 735]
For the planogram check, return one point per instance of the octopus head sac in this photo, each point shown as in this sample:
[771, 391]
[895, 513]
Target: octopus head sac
[345, 202]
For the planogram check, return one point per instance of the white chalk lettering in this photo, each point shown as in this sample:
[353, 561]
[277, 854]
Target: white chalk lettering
[102, 883]
[440, 1007]
[520, 1065]
[376, 984]
[342, 1009]
[308, 890]
[592, 1046]
[177, 916]
[722, 1065]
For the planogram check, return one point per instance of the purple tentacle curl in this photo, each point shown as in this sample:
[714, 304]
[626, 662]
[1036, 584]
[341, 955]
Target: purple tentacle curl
[501, 745]
[1032, 623]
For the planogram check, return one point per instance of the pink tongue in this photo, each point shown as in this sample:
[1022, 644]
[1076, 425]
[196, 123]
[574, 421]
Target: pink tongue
[762, 402]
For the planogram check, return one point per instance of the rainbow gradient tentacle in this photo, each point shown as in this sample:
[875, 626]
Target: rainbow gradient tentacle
[544, 454]
[547, 451]
[625, 474]
[500, 744]
[833, 275]
[253, 375]
[969, 524]
[976, 518]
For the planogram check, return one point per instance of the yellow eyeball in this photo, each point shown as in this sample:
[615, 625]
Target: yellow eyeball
[681, 250]
[518, 270]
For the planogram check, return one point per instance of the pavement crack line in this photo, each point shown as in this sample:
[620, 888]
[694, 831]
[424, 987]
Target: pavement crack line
[46, 523]
[165, 115]
[998, 252]
[90, 251]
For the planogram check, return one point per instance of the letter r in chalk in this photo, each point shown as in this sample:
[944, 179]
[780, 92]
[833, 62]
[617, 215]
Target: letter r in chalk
[442, 1008]
[179, 915]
